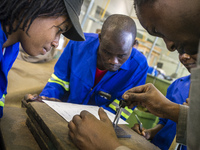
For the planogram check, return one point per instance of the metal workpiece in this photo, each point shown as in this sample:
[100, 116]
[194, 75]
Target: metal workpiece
[122, 104]
[105, 95]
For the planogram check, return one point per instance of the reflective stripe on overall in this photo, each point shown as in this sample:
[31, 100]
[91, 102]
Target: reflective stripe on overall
[2, 100]
[126, 112]
[55, 79]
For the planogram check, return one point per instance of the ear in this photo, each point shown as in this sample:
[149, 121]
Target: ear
[99, 37]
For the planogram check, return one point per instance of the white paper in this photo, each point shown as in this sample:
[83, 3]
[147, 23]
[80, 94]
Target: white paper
[68, 110]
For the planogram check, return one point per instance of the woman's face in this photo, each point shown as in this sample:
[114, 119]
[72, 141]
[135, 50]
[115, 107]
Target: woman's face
[43, 34]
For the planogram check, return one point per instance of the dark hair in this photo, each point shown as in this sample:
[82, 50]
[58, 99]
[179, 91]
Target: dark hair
[119, 23]
[23, 11]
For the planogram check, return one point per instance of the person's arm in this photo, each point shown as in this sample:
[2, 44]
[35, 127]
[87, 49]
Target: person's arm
[58, 83]
[147, 133]
[148, 96]
[89, 133]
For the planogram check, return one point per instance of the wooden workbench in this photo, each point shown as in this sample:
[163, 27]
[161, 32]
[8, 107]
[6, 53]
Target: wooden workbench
[14, 133]
[51, 130]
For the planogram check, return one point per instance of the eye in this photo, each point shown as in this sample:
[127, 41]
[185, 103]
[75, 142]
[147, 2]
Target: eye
[60, 30]
[106, 52]
[121, 56]
[181, 51]
[155, 31]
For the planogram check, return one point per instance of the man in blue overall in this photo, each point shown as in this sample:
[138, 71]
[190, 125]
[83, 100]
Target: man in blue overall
[37, 25]
[105, 62]
[164, 133]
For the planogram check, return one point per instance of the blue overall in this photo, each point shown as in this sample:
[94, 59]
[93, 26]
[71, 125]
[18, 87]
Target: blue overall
[177, 92]
[74, 75]
[6, 61]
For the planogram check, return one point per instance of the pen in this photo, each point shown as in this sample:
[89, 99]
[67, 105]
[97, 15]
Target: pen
[139, 122]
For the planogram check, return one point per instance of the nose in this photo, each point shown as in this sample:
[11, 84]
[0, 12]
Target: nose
[184, 57]
[170, 45]
[55, 42]
[113, 60]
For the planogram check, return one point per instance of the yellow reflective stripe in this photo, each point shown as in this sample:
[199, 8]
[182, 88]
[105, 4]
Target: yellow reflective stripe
[112, 106]
[129, 110]
[1, 104]
[124, 114]
[117, 101]
[2, 100]
[55, 79]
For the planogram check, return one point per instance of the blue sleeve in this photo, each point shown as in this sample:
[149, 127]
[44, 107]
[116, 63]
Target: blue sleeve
[162, 121]
[150, 70]
[62, 72]
[169, 94]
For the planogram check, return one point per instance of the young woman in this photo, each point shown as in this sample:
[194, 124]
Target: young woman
[37, 25]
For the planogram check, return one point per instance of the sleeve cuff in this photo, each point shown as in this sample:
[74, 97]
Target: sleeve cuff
[122, 148]
[181, 128]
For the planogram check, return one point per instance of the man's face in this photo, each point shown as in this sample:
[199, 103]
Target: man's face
[189, 61]
[43, 34]
[169, 20]
[114, 51]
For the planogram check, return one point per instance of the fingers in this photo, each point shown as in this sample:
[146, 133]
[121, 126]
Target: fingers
[71, 126]
[140, 89]
[50, 99]
[74, 124]
[139, 95]
[32, 98]
[136, 128]
[134, 91]
[77, 119]
[103, 115]
[72, 130]
[77, 126]
[29, 96]
[185, 104]
[188, 100]
[133, 99]
[85, 114]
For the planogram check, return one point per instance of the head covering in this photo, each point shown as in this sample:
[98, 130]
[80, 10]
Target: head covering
[73, 9]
